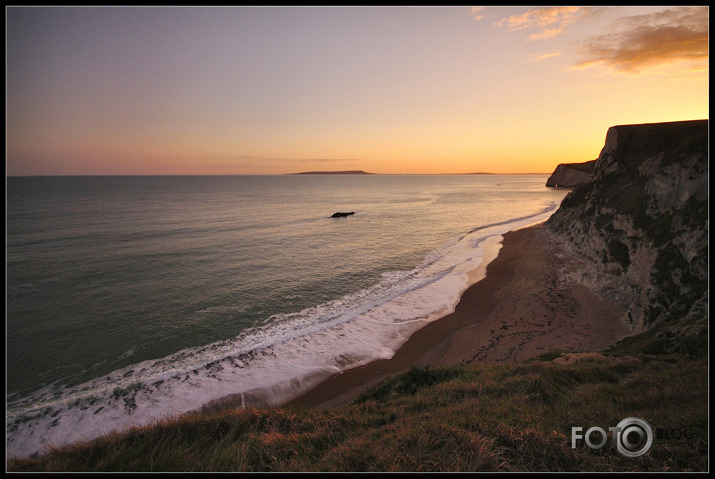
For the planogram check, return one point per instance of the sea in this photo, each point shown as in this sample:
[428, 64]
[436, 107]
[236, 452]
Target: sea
[133, 299]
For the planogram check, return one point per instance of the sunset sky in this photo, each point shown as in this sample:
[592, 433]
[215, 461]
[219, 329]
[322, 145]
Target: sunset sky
[250, 90]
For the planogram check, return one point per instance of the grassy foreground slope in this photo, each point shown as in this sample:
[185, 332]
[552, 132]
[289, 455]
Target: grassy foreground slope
[510, 417]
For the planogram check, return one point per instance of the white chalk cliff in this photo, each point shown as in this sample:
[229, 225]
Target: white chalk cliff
[569, 175]
[642, 221]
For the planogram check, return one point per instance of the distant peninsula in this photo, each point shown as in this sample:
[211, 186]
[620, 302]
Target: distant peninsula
[350, 172]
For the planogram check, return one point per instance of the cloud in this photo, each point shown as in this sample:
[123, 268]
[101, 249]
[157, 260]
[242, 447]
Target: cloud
[642, 41]
[476, 11]
[538, 58]
[327, 160]
[248, 160]
[551, 21]
[545, 34]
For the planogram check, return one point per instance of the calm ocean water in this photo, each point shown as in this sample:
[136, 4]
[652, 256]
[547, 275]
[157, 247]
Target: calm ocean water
[133, 298]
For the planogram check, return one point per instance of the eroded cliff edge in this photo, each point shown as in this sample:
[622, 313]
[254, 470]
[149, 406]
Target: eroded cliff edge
[642, 222]
[570, 175]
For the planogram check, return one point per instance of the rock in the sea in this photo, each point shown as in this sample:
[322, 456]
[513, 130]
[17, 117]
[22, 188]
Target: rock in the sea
[342, 215]
[642, 220]
[570, 175]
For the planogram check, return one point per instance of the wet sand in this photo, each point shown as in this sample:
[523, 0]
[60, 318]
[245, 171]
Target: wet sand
[523, 308]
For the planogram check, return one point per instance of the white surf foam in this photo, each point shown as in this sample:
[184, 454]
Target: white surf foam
[269, 365]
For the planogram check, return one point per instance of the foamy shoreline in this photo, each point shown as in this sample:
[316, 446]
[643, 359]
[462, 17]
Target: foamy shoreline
[524, 307]
[187, 383]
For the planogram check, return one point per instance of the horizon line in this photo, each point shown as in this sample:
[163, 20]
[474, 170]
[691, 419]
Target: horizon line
[263, 174]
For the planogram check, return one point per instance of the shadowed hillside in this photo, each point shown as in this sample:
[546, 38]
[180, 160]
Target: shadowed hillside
[642, 220]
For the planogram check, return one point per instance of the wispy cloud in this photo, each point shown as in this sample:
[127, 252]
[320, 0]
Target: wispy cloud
[538, 58]
[550, 21]
[545, 34]
[328, 160]
[477, 12]
[642, 41]
[631, 44]
[244, 160]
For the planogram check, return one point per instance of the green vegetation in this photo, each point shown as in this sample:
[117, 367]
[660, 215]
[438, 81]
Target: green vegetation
[510, 417]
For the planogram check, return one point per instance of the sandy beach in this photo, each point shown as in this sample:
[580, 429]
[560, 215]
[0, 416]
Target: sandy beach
[524, 307]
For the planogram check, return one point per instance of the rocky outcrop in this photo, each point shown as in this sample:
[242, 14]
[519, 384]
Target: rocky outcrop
[570, 175]
[642, 220]
[342, 215]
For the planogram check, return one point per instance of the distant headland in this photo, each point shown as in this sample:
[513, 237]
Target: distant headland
[350, 172]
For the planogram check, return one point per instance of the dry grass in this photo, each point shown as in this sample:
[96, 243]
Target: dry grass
[484, 418]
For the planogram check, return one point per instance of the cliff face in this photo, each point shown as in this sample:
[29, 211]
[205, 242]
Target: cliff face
[642, 220]
[571, 174]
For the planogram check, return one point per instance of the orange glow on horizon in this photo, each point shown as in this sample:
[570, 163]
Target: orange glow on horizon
[430, 91]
